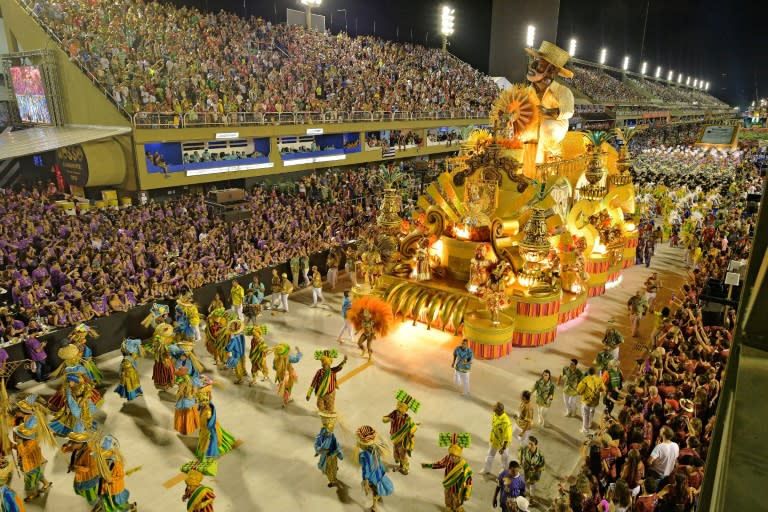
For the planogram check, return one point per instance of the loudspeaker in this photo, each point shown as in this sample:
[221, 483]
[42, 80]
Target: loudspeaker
[228, 195]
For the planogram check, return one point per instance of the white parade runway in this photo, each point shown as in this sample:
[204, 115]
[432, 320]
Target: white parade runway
[273, 469]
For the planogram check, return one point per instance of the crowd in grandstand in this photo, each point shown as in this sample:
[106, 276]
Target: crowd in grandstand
[602, 87]
[155, 57]
[61, 270]
[656, 432]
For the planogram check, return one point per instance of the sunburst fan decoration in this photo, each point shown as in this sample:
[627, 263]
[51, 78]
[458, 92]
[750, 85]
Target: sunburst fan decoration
[479, 139]
[516, 112]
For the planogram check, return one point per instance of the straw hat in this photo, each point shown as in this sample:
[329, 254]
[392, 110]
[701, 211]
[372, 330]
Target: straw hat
[28, 430]
[164, 330]
[79, 434]
[27, 405]
[69, 353]
[235, 326]
[282, 349]
[194, 478]
[553, 54]
[366, 435]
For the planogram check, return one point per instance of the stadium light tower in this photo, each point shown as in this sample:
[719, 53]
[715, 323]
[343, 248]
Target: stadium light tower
[670, 75]
[309, 4]
[680, 78]
[625, 65]
[643, 68]
[695, 82]
[530, 36]
[447, 17]
[658, 71]
[688, 80]
[603, 55]
[572, 47]
[706, 87]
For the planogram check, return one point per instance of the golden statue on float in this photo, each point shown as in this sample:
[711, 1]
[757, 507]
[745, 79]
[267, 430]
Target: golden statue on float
[523, 226]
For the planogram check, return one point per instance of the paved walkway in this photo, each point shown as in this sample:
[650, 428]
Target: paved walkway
[273, 469]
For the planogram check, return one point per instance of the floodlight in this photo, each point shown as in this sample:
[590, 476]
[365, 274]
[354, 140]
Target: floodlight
[530, 36]
[572, 48]
[625, 66]
[680, 78]
[311, 3]
[603, 55]
[643, 68]
[447, 18]
[706, 88]
[688, 80]
[658, 71]
[670, 74]
[695, 82]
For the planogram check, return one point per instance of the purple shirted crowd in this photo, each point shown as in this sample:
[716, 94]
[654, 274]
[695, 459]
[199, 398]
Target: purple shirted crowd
[60, 270]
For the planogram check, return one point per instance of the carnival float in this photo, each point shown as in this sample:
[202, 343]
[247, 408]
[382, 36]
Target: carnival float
[510, 241]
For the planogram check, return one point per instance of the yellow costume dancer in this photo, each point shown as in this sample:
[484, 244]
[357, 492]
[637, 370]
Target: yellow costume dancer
[198, 497]
[130, 387]
[216, 334]
[402, 428]
[258, 353]
[457, 483]
[162, 371]
[285, 374]
[186, 418]
[214, 441]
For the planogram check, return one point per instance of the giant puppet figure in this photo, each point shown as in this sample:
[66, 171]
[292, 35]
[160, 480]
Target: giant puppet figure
[556, 100]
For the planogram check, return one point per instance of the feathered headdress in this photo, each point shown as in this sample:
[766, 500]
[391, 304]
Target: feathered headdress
[380, 311]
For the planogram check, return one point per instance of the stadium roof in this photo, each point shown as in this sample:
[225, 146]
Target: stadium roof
[47, 138]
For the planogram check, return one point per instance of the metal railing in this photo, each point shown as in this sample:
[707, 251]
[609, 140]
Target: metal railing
[201, 119]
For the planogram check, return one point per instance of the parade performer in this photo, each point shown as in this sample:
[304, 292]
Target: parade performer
[374, 478]
[402, 429]
[187, 318]
[162, 370]
[183, 354]
[216, 335]
[186, 418]
[24, 409]
[545, 392]
[285, 374]
[236, 350]
[501, 436]
[112, 492]
[533, 463]
[213, 441]
[285, 290]
[157, 315]
[83, 462]
[346, 305]
[277, 284]
[371, 317]
[198, 497]
[557, 104]
[253, 300]
[569, 379]
[130, 387]
[77, 395]
[317, 286]
[328, 449]
[324, 382]
[237, 297]
[613, 339]
[457, 482]
[462, 364]
[9, 501]
[31, 461]
[79, 337]
[258, 353]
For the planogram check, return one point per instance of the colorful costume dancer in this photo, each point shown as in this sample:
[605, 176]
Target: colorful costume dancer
[83, 463]
[157, 315]
[31, 457]
[324, 382]
[9, 501]
[236, 350]
[77, 394]
[371, 317]
[216, 334]
[375, 480]
[285, 375]
[187, 319]
[162, 371]
[327, 448]
[457, 483]
[214, 441]
[112, 492]
[199, 498]
[402, 429]
[258, 353]
[79, 337]
[186, 418]
[130, 387]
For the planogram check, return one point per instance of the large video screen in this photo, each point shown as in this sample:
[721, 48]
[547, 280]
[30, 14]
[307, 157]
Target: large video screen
[30, 94]
[717, 135]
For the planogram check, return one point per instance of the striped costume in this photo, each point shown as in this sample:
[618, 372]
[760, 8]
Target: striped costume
[457, 483]
[402, 430]
[201, 500]
[324, 386]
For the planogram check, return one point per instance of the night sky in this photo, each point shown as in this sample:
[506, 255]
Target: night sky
[721, 41]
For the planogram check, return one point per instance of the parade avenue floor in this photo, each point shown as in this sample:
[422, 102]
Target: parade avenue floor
[273, 467]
